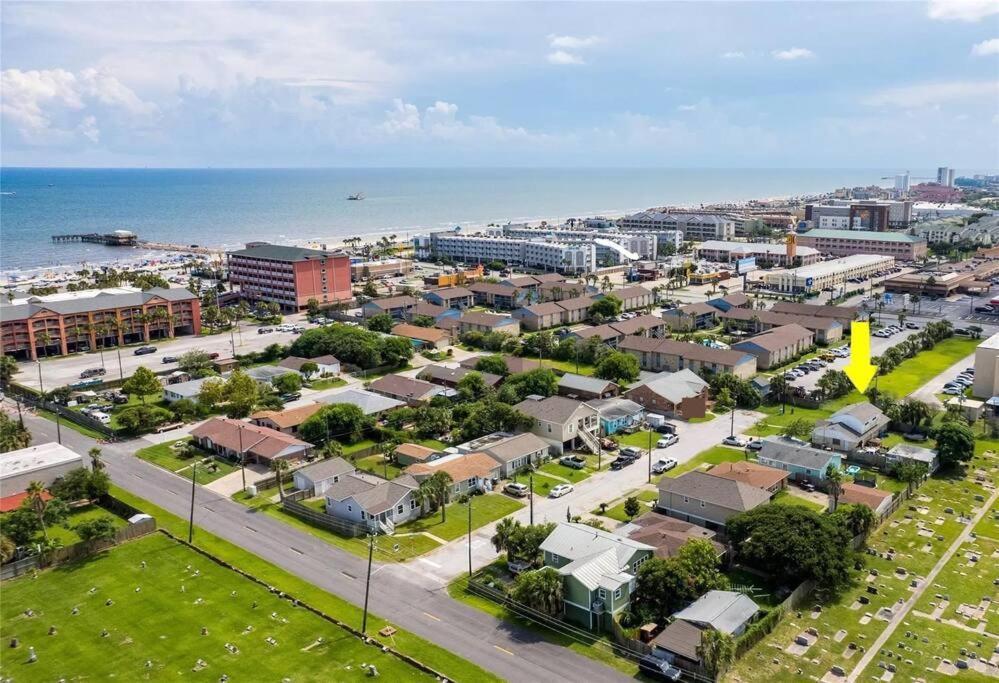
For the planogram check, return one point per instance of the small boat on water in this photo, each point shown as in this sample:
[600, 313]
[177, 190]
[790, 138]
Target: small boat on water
[356, 197]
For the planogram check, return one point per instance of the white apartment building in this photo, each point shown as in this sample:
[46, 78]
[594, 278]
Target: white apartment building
[985, 231]
[833, 273]
[554, 256]
[693, 226]
[644, 244]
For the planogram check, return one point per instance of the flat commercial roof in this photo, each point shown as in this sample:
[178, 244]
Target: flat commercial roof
[35, 459]
[867, 235]
[836, 265]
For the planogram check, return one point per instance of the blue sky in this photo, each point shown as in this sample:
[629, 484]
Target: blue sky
[705, 84]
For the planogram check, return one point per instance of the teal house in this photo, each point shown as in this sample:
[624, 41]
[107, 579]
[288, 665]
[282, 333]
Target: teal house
[598, 571]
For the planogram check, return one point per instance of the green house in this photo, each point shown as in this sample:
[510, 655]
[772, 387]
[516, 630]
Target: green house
[598, 570]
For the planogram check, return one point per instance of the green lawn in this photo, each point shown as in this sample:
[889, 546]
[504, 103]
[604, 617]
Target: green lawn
[485, 509]
[639, 439]
[329, 383]
[64, 424]
[66, 532]
[698, 420]
[437, 657]
[377, 464]
[166, 457]
[161, 624]
[786, 498]
[351, 448]
[565, 366]
[617, 511]
[573, 475]
[707, 459]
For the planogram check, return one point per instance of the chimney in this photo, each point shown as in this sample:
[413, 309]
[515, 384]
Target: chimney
[791, 248]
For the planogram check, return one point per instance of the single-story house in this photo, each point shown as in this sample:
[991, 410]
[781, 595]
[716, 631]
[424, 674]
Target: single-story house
[904, 452]
[287, 420]
[477, 321]
[667, 534]
[617, 414]
[468, 471]
[678, 644]
[876, 499]
[377, 503]
[539, 316]
[729, 612]
[851, 427]
[800, 460]
[449, 377]
[565, 423]
[702, 498]
[189, 390]
[328, 365]
[514, 452]
[680, 394]
[413, 392]
[423, 337]
[598, 570]
[410, 453]
[514, 364]
[585, 388]
[752, 473]
[668, 354]
[396, 306]
[451, 297]
[266, 374]
[368, 401]
[236, 440]
[319, 476]
[44, 462]
[778, 346]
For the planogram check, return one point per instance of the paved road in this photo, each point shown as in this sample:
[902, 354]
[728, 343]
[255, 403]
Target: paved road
[399, 593]
[451, 560]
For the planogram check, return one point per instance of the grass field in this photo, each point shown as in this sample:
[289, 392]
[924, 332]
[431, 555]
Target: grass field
[788, 498]
[573, 475]
[65, 532]
[565, 366]
[440, 659]
[707, 459]
[617, 512]
[156, 633]
[485, 509]
[165, 456]
[329, 383]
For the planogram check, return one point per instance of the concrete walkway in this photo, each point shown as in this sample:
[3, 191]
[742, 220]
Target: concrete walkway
[233, 482]
[875, 648]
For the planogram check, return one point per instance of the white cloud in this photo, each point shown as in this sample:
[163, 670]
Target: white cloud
[573, 42]
[792, 54]
[687, 107]
[733, 55]
[962, 10]
[932, 94]
[986, 47]
[565, 58]
[440, 121]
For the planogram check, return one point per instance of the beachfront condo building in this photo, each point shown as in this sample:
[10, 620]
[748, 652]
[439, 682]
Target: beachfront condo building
[694, 227]
[290, 276]
[561, 257]
[73, 322]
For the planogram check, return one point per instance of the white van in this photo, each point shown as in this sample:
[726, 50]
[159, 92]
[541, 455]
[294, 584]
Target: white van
[103, 418]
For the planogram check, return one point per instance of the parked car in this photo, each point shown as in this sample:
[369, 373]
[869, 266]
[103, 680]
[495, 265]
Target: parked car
[737, 441]
[143, 350]
[608, 444]
[92, 372]
[666, 428]
[560, 490]
[664, 465]
[756, 445]
[952, 391]
[666, 442]
[291, 396]
[517, 489]
[618, 463]
[118, 398]
[911, 326]
[576, 462]
[631, 452]
[807, 486]
[170, 359]
[264, 330]
[658, 669]
[983, 309]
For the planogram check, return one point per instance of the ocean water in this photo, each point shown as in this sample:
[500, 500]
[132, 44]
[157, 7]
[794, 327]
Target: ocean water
[225, 208]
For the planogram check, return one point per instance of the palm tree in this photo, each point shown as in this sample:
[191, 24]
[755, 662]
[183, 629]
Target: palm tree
[504, 531]
[914, 412]
[96, 461]
[834, 482]
[441, 486]
[717, 651]
[278, 466]
[331, 449]
[44, 338]
[910, 473]
[8, 368]
[36, 499]
[606, 285]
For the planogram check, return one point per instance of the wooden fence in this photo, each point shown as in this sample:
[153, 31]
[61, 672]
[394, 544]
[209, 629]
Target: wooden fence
[321, 519]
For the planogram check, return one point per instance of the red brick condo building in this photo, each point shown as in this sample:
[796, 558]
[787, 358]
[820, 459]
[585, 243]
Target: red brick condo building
[41, 327]
[290, 276]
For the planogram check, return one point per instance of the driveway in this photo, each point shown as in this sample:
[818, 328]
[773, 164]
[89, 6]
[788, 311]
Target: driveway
[441, 566]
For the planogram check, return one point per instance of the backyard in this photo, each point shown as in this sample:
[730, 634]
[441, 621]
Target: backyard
[486, 508]
[140, 613]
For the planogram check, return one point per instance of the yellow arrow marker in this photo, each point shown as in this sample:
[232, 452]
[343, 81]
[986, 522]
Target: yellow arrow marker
[859, 370]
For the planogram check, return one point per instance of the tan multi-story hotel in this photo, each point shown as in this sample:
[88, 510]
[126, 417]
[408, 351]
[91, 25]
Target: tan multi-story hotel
[85, 321]
[898, 245]
[290, 276]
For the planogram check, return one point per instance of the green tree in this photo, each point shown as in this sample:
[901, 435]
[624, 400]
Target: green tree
[331, 449]
[344, 421]
[717, 651]
[955, 444]
[432, 421]
[309, 368]
[96, 462]
[287, 383]
[7, 550]
[97, 529]
[184, 409]
[541, 589]
[536, 382]
[606, 307]
[141, 419]
[312, 306]
[798, 428]
[494, 365]
[632, 507]
[242, 393]
[503, 533]
[81, 484]
[665, 585]
[212, 392]
[20, 525]
[8, 368]
[196, 363]
[423, 321]
[742, 391]
[142, 383]
[488, 416]
[858, 519]
[48, 511]
[909, 473]
[472, 387]
[914, 413]
[13, 435]
[382, 322]
[834, 484]
[278, 467]
[618, 366]
[440, 486]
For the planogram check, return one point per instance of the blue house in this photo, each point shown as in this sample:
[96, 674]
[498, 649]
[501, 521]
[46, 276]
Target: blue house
[802, 461]
[617, 414]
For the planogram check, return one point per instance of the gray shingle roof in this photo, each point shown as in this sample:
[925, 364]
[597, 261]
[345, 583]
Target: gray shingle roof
[368, 401]
[397, 385]
[592, 385]
[557, 409]
[778, 338]
[794, 452]
[326, 469]
[726, 493]
[616, 407]
[516, 447]
[454, 375]
[675, 386]
[724, 611]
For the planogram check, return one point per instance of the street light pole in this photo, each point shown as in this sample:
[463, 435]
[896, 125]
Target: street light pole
[242, 459]
[470, 537]
[531, 494]
[367, 583]
[121, 372]
[650, 456]
[41, 387]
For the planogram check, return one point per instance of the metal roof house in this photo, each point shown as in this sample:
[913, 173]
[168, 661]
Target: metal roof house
[584, 388]
[726, 611]
[851, 427]
[802, 461]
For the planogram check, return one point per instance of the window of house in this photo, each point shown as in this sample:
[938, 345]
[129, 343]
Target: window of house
[350, 508]
[412, 505]
[555, 558]
[399, 510]
[686, 499]
[617, 594]
[638, 563]
[602, 594]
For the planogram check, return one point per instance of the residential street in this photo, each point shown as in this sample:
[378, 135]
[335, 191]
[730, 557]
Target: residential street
[399, 592]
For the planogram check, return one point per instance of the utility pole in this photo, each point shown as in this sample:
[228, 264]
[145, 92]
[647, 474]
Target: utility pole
[470, 537]
[650, 456]
[41, 387]
[367, 584]
[531, 494]
[190, 522]
[242, 458]
[731, 429]
[121, 372]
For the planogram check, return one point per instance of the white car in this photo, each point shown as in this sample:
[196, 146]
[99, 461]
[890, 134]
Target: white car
[560, 490]
[664, 465]
[667, 441]
[737, 441]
